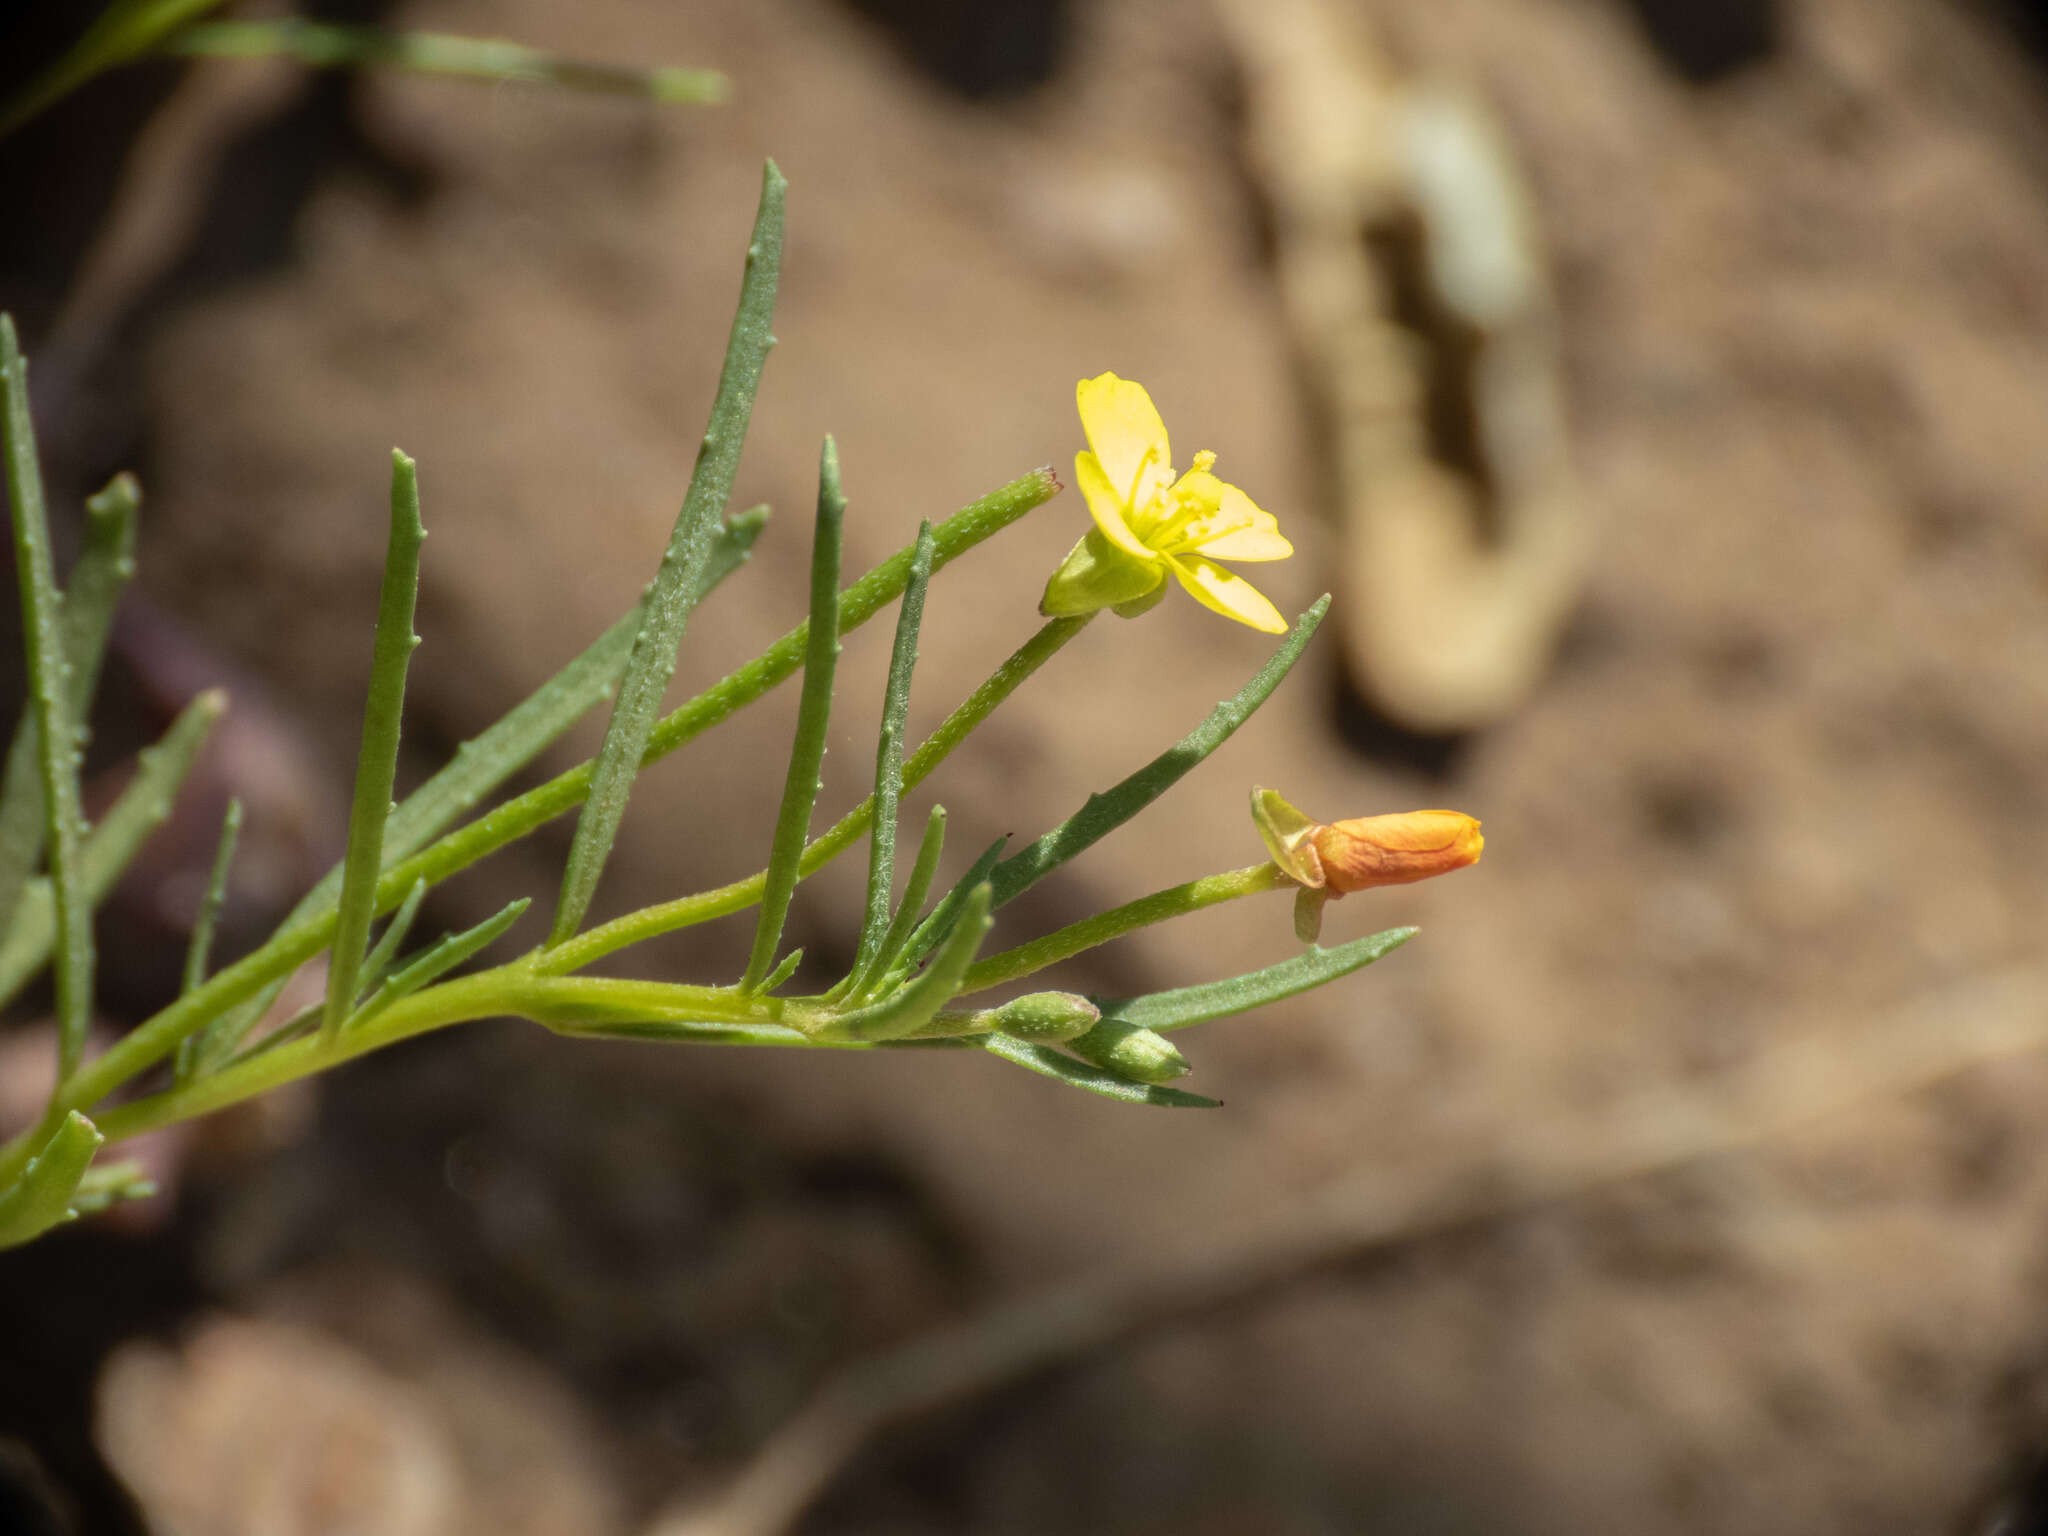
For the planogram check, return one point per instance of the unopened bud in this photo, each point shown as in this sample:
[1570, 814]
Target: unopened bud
[1142, 1055]
[1046, 1017]
[1332, 859]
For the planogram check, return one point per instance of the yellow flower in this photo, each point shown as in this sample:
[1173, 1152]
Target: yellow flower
[1148, 523]
[1332, 859]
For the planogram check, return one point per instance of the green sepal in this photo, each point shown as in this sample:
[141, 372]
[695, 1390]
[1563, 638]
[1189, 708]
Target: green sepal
[1138, 607]
[1096, 574]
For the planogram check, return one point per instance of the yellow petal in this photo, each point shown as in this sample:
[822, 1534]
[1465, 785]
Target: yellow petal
[1106, 507]
[1253, 533]
[1127, 435]
[1226, 592]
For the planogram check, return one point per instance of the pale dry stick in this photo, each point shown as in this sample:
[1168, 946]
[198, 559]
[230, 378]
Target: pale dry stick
[1922, 1043]
[1462, 550]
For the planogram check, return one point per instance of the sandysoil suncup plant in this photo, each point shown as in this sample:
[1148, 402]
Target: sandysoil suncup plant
[919, 970]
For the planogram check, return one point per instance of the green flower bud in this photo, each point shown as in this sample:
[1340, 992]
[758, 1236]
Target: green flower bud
[1141, 1055]
[1047, 1016]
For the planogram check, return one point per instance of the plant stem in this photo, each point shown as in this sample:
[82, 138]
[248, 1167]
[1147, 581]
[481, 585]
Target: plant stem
[290, 948]
[1175, 901]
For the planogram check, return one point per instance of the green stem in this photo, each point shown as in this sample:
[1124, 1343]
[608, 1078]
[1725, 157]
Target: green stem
[1175, 901]
[687, 911]
[574, 1004]
[157, 1036]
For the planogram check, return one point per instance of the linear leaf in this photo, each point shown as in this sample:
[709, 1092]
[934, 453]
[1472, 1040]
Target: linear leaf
[85, 617]
[201, 947]
[439, 958]
[1078, 1074]
[379, 959]
[139, 811]
[377, 764]
[1185, 1006]
[1107, 811]
[935, 927]
[673, 595]
[41, 1198]
[486, 761]
[897, 939]
[918, 1001]
[813, 718]
[56, 726]
[889, 756]
[782, 972]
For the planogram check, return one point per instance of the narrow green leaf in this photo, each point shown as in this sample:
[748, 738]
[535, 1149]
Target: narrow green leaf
[486, 761]
[934, 928]
[813, 718]
[208, 1048]
[669, 603]
[439, 958]
[41, 1198]
[889, 756]
[379, 959]
[56, 727]
[1184, 1006]
[918, 1001]
[1107, 811]
[897, 939]
[297, 1027]
[139, 811]
[1078, 1074]
[781, 973]
[479, 766]
[377, 764]
[201, 947]
[85, 618]
[327, 46]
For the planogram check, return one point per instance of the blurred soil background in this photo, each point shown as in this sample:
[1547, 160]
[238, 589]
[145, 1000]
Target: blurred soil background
[1784, 781]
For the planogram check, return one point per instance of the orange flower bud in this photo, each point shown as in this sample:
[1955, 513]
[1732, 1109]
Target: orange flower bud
[1396, 849]
[1332, 859]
